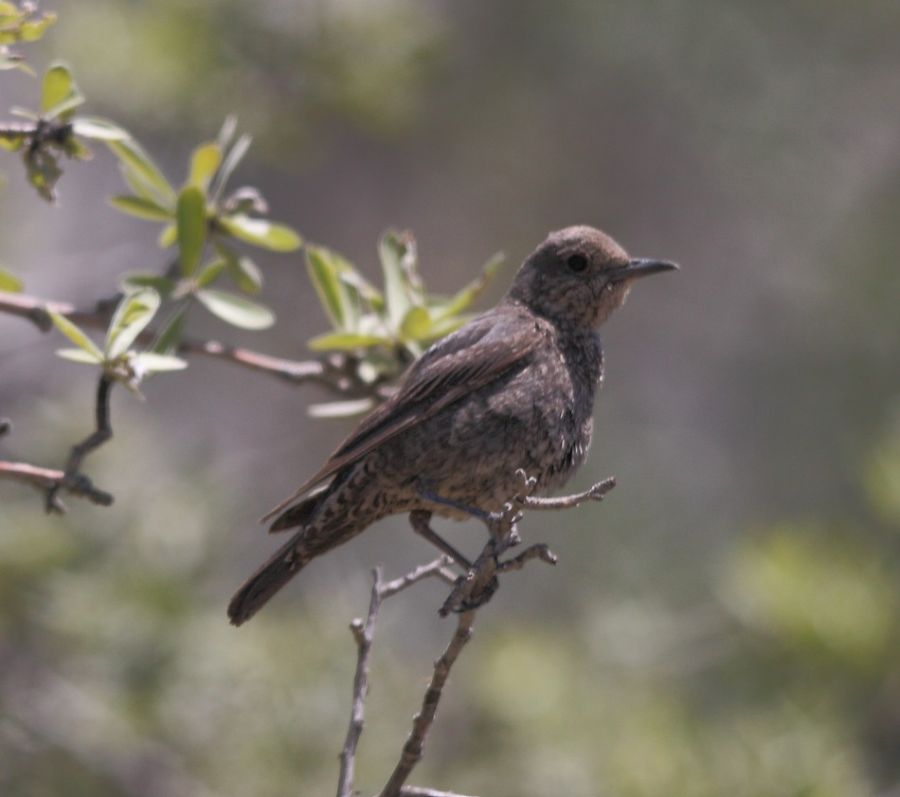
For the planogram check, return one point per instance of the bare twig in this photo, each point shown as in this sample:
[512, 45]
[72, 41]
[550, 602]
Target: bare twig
[45, 479]
[101, 434]
[335, 371]
[415, 743]
[364, 633]
[594, 493]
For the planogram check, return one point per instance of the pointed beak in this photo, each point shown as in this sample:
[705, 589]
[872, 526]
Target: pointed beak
[641, 267]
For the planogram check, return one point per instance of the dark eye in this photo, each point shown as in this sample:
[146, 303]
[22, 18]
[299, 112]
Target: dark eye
[577, 262]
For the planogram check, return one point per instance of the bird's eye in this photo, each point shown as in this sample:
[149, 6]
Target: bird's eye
[577, 262]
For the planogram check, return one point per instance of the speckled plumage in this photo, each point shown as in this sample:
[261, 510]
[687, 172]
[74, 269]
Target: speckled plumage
[512, 389]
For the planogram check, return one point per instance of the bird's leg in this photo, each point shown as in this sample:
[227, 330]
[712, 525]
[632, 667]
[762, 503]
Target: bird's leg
[419, 520]
[439, 499]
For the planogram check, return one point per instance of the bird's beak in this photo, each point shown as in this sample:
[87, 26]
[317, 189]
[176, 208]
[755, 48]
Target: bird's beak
[640, 267]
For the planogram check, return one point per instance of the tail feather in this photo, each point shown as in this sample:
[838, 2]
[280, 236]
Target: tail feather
[257, 590]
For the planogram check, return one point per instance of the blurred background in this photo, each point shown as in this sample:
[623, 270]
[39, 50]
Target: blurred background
[726, 622]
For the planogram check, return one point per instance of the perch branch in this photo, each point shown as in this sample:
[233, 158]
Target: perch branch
[363, 634]
[470, 592]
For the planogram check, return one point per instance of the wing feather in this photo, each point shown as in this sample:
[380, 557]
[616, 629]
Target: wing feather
[470, 358]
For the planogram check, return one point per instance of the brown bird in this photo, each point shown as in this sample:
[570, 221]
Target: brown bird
[512, 389]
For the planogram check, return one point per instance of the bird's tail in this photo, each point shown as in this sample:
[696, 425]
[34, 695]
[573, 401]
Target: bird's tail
[308, 543]
[257, 590]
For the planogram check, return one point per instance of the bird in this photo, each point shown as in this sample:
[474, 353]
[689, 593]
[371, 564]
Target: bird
[510, 391]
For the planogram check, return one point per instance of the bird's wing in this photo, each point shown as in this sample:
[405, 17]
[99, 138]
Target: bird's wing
[470, 358]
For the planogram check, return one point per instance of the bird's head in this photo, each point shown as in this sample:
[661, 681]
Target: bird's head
[578, 276]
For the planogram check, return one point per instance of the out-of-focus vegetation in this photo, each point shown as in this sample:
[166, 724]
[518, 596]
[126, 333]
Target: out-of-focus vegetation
[725, 623]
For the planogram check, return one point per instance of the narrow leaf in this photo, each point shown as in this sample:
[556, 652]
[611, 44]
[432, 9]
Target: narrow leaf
[416, 324]
[210, 273]
[133, 157]
[134, 312]
[79, 356]
[191, 220]
[236, 310]
[167, 236]
[204, 162]
[9, 282]
[226, 132]
[99, 129]
[346, 341]
[241, 269]
[170, 335]
[262, 232]
[339, 299]
[12, 142]
[75, 334]
[149, 362]
[230, 163]
[391, 251]
[463, 298]
[162, 285]
[141, 207]
[57, 86]
[340, 409]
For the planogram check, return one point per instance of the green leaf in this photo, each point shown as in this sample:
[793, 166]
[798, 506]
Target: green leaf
[167, 236]
[393, 251]
[35, 29]
[340, 409]
[335, 295]
[262, 232]
[162, 285]
[12, 142]
[191, 220]
[346, 341]
[416, 324]
[226, 132]
[24, 113]
[80, 356]
[150, 362]
[56, 86]
[144, 170]
[134, 312]
[204, 162]
[230, 163]
[76, 149]
[9, 282]
[75, 334]
[141, 207]
[210, 273]
[463, 298]
[58, 92]
[444, 326]
[236, 310]
[98, 129]
[241, 269]
[170, 336]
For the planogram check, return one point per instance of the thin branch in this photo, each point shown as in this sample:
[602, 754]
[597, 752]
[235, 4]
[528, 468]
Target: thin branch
[101, 434]
[364, 633]
[45, 479]
[336, 371]
[415, 743]
[416, 791]
[595, 493]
